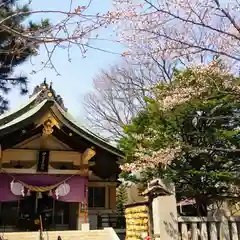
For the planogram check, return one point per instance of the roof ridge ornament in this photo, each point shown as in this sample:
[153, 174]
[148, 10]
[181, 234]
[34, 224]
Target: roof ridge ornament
[46, 91]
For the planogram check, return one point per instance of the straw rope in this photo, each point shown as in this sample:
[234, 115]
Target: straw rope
[37, 188]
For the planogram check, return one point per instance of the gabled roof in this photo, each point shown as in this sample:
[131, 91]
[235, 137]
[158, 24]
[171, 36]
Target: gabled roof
[6, 117]
[30, 112]
[45, 100]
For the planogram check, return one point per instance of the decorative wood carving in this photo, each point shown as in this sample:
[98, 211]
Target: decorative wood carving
[87, 155]
[48, 127]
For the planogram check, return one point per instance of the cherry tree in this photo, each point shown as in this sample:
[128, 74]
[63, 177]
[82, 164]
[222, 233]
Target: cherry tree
[185, 31]
[195, 84]
[164, 35]
[119, 94]
[189, 134]
[76, 27]
[188, 31]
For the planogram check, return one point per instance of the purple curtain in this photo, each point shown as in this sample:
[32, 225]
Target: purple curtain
[78, 185]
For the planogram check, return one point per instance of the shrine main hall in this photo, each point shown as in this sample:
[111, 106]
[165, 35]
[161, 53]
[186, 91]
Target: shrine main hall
[53, 171]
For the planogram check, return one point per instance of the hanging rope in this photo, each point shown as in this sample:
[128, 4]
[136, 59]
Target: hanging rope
[38, 188]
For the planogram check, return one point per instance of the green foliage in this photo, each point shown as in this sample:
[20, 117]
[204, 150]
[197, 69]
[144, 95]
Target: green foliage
[121, 199]
[206, 126]
[15, 50]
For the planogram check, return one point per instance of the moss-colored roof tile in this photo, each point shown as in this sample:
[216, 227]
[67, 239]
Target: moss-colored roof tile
[26, 115]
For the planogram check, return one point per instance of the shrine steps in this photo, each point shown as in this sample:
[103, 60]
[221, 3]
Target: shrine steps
[105, 234]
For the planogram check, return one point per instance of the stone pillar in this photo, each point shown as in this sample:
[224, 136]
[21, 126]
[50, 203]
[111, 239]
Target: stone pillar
[164, 209]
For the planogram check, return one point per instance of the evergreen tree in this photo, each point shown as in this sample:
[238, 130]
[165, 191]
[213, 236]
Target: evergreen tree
[14, 50]
[121, 199]
[189, 134]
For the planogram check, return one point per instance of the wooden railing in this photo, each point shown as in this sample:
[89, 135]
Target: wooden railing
[209, 228]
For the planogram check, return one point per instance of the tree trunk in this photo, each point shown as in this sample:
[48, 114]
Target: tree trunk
[201, 206]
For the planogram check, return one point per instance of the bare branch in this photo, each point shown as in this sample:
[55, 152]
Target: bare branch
[119, 95]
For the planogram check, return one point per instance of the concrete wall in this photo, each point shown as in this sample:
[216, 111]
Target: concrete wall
[134, 195]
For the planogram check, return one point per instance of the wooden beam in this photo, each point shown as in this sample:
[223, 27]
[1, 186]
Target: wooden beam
[82, 172]
[87, 155]
[102, 184]
[9, 155]
[22, 155]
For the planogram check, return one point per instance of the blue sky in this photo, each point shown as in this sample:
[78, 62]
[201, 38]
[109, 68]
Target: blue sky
[76, 77]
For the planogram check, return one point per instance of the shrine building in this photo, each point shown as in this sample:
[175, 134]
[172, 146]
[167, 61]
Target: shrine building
[53, 171]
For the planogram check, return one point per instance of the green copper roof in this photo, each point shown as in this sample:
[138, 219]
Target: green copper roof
[25, 116]
[42, 95]
[89, 135]
[15, 111]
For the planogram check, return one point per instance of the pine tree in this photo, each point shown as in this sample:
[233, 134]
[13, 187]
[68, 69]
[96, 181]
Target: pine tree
[121, 199]
[15, 50]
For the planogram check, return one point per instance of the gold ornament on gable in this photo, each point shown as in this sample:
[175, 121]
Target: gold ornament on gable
[48, 127]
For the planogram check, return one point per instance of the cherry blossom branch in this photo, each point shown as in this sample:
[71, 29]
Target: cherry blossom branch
[75, 28]
[201, 23]
[184, 30]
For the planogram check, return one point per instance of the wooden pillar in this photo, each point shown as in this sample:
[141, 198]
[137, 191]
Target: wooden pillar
[82, 214]
[112, 198]
[0, 156]
[107, 195]
[79, 216]
[53, 212]
[85, 211]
